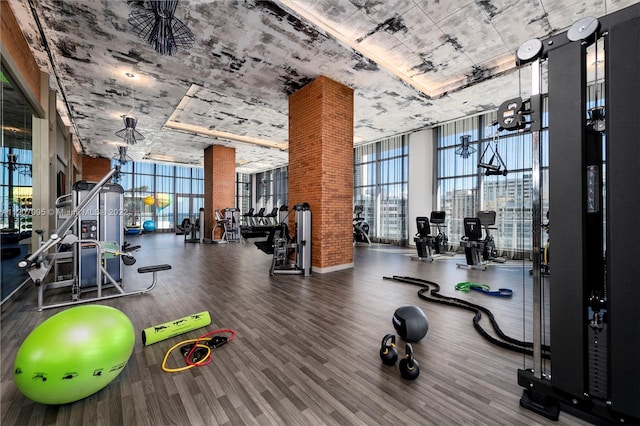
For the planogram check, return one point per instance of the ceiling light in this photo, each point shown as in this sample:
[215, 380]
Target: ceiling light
[465, 149]
[116, 143]
[121, 157]
[129, 74]
[168, 159]
[190, 128]
[160, 28]
[13, 129]
[130, 135]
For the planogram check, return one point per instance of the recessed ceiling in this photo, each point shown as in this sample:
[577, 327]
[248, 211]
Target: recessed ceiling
[412, 64]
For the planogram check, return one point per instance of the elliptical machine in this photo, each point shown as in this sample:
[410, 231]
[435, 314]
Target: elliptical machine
[360, 226]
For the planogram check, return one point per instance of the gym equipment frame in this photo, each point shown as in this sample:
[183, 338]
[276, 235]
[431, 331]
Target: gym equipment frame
[594, 329]
[301, 246]
[96, 263]
[285, 249]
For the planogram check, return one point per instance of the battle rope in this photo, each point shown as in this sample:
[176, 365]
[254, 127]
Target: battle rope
[432, 295]
[197, 352]
[466, 287]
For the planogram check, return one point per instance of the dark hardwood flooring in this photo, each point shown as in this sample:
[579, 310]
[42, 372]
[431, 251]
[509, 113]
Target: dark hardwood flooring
[306, 351]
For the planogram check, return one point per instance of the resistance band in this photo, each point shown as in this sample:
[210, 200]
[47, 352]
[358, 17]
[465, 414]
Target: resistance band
[484, 288]
[433, 295]
[197, 352]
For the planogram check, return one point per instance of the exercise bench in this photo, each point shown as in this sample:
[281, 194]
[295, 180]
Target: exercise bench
[154, 269]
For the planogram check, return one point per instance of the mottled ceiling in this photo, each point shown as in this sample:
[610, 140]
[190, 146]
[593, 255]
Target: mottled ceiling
[412, 64]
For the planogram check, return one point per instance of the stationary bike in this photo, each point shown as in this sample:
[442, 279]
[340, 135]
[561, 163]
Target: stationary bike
[360, 226]
[479, 251]
[487, 219]
[441, 241]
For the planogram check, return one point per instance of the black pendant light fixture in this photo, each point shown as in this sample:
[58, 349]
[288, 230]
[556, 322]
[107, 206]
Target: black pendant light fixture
[157, 24]
[130, 135]
[121, 157]
[465, 149]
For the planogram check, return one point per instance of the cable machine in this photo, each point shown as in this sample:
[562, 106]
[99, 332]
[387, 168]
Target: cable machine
[88, 244]
[594, 296]
[299, 247]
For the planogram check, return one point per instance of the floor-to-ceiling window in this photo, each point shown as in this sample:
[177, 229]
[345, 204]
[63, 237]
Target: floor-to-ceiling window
[243, 192]
[160, 193]
[16, 187]
[272, 189]
[380, 185]
[164, 196]
[457, 160]
[466, 150]
[138, 199]
[189, 195]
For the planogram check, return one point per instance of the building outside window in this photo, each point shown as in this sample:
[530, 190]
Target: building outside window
[463, 188]
[243, 192]
[176, 193]
[380, 185]
[17, 208]
[272, 189]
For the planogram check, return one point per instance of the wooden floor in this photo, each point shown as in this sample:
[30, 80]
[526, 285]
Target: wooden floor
[307, 347]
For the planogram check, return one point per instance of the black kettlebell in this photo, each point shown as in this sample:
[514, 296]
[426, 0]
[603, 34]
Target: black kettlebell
[409, 369]
[388, 351]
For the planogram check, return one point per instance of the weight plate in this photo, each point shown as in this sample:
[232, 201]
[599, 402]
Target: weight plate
[529, 49]
[583, 28]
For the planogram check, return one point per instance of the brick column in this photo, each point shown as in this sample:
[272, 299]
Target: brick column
[95, 168]
[219, 183]
[321, 168]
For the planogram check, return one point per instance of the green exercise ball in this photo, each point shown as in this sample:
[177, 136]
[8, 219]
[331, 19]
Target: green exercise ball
[73, 354]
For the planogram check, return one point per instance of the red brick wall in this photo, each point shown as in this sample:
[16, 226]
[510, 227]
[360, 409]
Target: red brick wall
[321, 166]
[219, 183]
[95, 168]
